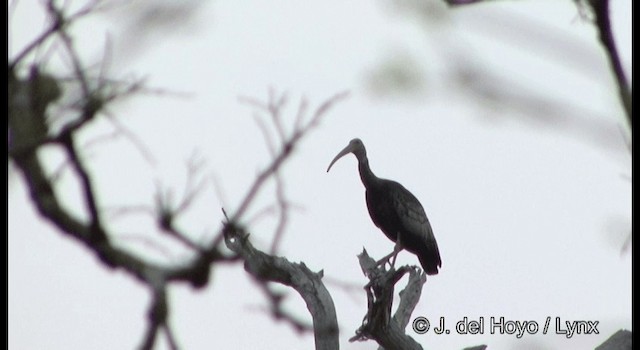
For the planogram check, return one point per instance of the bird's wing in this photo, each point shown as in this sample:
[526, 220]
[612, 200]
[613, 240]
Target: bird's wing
[410, 212]
[417, 235]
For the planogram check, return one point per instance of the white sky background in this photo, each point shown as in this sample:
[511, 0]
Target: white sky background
[530, 213]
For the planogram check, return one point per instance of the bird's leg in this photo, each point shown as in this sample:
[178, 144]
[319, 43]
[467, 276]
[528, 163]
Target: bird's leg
[385, 259]
[396, 249]
[394, 254]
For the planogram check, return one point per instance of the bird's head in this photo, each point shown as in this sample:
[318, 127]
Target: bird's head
[356, 147]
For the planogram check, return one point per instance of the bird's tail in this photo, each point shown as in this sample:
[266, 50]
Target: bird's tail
[429, 257]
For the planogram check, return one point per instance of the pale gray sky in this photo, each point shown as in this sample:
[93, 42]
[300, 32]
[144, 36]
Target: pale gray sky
[530, 207]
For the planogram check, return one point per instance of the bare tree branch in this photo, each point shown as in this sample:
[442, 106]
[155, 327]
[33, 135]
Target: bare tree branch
[268, 268]
[409, 297]
[283, 217]
[157, 317]
[173, 345]
[122, 130]
[58, 22]
[166, 212]
[378, 324]
[97, 231]
[29, 131]
[601, 11]
[620, 340]
[286, 148]
[29, 98]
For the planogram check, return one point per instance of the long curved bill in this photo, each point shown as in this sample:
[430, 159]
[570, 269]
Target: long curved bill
[342, 153]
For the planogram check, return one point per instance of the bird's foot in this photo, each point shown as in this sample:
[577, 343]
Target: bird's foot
[389, 258]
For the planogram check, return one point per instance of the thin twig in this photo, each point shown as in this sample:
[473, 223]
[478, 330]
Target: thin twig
[283, 217]
[58, 22]
[135, 141]
[266, 135]
[71, 51]
[275, 110]
[283, 155]
[166, 216]
[276, 301]
[171, 339]
[302, 110]
[601, 11]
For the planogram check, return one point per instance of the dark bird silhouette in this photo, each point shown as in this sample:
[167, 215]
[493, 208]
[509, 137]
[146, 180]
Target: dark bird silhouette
[396, 212]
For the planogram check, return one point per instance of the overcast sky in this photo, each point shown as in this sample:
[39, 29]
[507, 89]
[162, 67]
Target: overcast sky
[506, 125]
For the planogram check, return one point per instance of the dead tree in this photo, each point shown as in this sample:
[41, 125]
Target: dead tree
[32, 90]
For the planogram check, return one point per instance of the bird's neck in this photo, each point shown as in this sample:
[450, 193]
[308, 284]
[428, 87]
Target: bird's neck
[366, 175]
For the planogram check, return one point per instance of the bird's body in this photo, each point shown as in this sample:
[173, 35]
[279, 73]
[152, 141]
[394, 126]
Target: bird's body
[396, 211]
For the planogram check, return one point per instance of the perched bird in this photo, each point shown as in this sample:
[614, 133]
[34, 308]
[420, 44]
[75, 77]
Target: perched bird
[396, 212]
